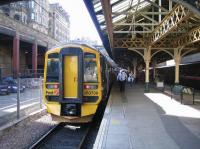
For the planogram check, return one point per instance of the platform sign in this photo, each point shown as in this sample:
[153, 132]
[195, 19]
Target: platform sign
[160, 84]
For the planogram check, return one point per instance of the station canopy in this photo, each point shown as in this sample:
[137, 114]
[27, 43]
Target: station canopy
[141, 24]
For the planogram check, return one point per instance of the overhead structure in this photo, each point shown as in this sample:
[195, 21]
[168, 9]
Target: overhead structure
[143, 23]
[191, 37]
[169, 23]
[108, 20]
[148, 27]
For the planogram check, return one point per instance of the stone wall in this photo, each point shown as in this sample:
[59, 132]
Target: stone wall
[24, 30]
[5, 60]
[26, 34]
[22, 61]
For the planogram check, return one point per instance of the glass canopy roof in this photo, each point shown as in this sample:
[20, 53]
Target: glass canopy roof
[121, 9]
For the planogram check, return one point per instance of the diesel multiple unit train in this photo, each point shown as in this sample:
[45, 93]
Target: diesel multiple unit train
[77, 78]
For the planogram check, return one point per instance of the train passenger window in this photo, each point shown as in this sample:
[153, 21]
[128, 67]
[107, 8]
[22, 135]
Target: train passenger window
[89, 55]
[90, 68]
[53, 68]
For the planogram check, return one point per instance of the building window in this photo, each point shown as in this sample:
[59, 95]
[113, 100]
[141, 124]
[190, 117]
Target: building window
[39, 19]
[32, 4]
[40, 9]
[36, 16]
[32, 16]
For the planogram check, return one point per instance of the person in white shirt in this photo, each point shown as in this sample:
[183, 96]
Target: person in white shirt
[130, 79]
[121, 77]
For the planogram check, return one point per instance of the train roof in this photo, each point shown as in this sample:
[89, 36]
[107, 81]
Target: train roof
[98, 48]
[103, 52]
[71, 43]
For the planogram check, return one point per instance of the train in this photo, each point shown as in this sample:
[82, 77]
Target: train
[77, 78]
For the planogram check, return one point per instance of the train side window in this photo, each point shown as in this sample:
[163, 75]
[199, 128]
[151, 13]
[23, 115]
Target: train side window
[90, 68]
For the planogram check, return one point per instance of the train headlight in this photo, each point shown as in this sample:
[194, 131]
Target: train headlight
[52, 86]
[70, 110]
[90, 86]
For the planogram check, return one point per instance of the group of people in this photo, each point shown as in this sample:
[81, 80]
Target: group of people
[123, 77]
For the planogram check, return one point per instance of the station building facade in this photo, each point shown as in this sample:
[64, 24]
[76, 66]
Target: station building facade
[59, 23]
[26, 31]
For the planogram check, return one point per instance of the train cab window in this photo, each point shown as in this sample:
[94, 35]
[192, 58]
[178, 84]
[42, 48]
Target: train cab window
[53, 68]
[90, 68]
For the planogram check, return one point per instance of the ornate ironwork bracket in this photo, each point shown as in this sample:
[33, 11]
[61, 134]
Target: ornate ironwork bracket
[178, 14]
[191, 37]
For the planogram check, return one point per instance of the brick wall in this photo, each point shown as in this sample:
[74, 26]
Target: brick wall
[27, 31]
[5, 60]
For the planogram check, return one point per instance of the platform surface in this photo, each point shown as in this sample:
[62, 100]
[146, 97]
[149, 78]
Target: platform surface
[138, 120]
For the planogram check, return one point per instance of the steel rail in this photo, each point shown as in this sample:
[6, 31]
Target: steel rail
[80, 135]
[83, 138]
[45, 136]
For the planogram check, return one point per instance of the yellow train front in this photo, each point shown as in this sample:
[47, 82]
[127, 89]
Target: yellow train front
[73, 83]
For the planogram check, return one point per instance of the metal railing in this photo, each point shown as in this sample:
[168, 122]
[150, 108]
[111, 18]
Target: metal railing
[24, 73]
[20, 97]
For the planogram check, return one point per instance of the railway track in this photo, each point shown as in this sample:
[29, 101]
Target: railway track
[62, 136]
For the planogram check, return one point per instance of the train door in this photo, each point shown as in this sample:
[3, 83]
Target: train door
[70, 77]
[71, 81]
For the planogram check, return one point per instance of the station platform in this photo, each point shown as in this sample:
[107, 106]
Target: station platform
[138, 120]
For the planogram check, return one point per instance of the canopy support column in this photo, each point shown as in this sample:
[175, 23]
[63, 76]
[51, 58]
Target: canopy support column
[147, 59]
[135, 67]
[177, 59]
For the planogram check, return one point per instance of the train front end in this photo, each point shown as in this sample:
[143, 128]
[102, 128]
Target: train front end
[72, 83]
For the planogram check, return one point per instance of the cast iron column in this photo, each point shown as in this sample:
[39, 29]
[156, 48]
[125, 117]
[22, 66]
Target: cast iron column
[147, 59]
[177, 59]
[15, 58]
[34, 58]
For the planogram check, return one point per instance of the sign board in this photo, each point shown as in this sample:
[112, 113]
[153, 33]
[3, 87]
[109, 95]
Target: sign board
[160, 84]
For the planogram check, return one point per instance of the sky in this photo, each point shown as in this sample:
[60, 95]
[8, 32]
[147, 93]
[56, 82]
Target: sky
[81, 24]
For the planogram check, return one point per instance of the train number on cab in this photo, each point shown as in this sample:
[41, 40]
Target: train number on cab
[91, 93]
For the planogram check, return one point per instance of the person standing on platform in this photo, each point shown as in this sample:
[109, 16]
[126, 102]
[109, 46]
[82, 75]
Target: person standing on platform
[121, 77]
[130, 79]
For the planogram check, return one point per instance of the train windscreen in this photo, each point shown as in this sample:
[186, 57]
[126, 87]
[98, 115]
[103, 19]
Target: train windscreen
[53, 68]
[90, 68]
